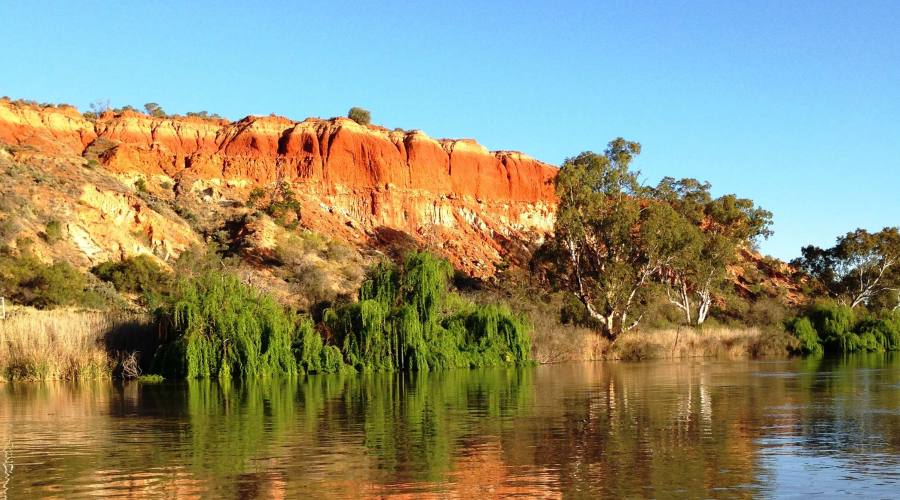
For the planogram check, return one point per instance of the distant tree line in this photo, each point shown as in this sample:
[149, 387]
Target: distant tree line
[101, 106]
[855, 285]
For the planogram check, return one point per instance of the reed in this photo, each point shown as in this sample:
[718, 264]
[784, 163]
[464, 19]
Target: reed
[60, 344]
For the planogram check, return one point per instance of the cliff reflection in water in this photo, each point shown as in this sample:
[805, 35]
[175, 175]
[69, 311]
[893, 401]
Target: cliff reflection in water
[647, 429]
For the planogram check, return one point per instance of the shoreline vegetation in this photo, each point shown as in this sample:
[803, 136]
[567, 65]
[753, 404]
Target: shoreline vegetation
[80, 344]
[629, 272]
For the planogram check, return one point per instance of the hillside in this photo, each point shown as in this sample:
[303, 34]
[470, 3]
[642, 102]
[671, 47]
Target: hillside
[126, 183]
[358, 183]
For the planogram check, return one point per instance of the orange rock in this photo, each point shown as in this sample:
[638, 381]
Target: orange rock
[453, 195]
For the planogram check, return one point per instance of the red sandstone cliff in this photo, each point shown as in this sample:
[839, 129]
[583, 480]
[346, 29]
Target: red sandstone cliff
[454, 195]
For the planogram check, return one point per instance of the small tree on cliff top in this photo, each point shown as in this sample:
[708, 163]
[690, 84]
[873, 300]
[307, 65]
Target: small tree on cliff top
[155, 110]
[360, 115]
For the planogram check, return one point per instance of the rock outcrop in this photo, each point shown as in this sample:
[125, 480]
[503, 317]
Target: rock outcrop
[455, 196]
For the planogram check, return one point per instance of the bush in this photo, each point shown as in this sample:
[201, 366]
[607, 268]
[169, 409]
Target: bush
[28, 281]
[766, 312]
[885, 331]
[53, 231]
[774, 343]
[312, 355]
[834, 324]
[360, 115]
[140, 274]
[280, 203]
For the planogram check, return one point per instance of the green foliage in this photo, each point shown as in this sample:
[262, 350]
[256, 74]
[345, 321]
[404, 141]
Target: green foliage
[28, 281]
[834, 328]
[140, 274]
[717, 228]
[609, 239]
[809, 338]
[280, 203]
[154, 110]
[884, 330]
[360, 115]
[861, 269]
[834, 324]
[221, 328]
[53, 231]
[408, 319]
[204, 115]
[140, 185]
[311, 352]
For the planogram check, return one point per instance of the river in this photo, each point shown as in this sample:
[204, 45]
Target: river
[652, 429]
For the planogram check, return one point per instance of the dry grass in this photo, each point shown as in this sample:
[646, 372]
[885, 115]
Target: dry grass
[561, 343]
[684, 343]
[578, 344]
[63, 344]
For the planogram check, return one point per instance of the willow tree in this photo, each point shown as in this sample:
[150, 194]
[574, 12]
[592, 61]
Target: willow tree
[610, 239]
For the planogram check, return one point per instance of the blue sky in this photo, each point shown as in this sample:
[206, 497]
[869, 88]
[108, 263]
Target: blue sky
[793, 104]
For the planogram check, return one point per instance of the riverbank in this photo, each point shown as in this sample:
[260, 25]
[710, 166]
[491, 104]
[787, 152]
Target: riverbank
[69, 344]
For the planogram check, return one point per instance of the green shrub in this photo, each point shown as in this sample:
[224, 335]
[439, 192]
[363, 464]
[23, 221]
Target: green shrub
[140, 274]
[885, 331]
[140, 185]
[280, 203]
[59, 284]
[360, 115]
[53, 231]
[834, 324]
[217, 327]
[28, 281]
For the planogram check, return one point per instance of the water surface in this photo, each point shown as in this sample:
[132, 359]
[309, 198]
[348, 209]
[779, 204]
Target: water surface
[654, 429]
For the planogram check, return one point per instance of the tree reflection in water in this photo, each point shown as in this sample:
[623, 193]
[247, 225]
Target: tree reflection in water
[709, 428]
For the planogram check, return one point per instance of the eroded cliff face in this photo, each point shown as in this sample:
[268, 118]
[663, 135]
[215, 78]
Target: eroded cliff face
[352, 181]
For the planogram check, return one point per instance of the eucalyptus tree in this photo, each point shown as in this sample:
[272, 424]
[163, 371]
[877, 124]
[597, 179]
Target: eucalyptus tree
[721, 226]
[860, 269]
[611, 239]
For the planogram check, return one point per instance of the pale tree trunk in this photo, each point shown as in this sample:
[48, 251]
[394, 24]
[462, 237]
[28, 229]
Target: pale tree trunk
[682, 300]
[704, 295]
[868, 289]
[705, 303]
